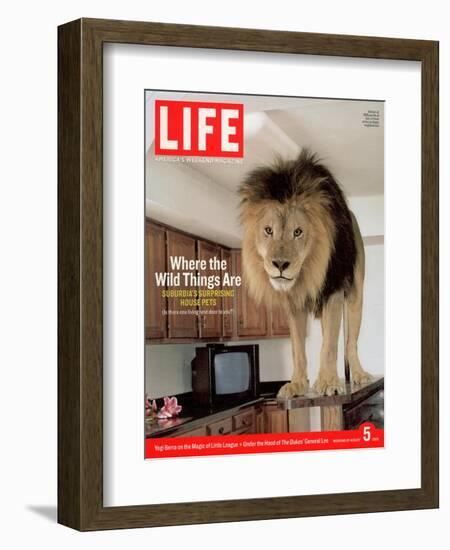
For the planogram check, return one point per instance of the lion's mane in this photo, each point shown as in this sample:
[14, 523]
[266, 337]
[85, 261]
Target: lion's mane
[330, 265]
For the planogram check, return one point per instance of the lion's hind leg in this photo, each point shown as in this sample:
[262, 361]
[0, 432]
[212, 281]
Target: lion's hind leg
[353, 305]
[353, 313]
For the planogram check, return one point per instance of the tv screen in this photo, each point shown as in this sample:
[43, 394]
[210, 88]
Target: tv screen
[232, 372]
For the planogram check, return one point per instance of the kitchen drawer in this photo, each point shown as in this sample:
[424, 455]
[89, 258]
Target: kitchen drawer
[221, 427]
[245, 419]
[192, 433]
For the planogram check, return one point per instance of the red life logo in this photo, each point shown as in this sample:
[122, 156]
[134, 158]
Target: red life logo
[199, 129]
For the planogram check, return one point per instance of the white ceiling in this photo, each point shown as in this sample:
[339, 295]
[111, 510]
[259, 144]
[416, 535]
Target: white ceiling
[282, 126]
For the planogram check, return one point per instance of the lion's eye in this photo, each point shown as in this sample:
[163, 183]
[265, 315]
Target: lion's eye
[268, 230]
[298, 232]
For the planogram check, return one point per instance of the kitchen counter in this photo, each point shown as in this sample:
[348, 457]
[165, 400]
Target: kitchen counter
[193, 416]
[353, 394]
[192, 419]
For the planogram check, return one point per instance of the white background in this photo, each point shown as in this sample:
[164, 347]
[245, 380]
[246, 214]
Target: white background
[28, 275]
[128, 69]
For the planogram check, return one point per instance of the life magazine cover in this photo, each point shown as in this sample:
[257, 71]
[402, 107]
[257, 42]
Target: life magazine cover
[264, 274]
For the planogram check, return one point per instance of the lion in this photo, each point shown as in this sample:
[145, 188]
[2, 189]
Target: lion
[302, 251]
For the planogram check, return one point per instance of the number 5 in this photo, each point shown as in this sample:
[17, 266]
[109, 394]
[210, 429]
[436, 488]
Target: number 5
[367, 433]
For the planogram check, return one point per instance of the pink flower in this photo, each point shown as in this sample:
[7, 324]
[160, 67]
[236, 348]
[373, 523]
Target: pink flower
[150, 407]
[170, 408]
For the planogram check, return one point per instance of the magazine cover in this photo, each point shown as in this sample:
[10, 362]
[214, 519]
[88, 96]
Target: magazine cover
[264, 274]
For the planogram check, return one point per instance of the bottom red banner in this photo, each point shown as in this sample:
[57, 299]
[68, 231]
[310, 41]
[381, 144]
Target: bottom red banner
[366, 436]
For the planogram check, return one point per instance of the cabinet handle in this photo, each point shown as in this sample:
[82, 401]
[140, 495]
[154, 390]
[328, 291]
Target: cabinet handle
[221, 430]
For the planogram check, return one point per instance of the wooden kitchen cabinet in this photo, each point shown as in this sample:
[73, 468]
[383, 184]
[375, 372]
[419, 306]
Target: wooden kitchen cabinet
[251, 319]
[243, 318]
[259, 420]
[252, 420]
[275, 420]
[221, 427]
[227, 302]
[279, 323]
[199, 432]
[238, 423]
[181, 325]
[244, 422]
[155, 261]
[210, 324]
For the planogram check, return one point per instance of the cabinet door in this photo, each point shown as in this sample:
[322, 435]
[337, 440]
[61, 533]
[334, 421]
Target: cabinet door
[275, 420]
[181, 325]
[155, 261]
[227, 302]
[299, 420]
[259, 421]
[251, 319]
[210, 318]
[280, 325]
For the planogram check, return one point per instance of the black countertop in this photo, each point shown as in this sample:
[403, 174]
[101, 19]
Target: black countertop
[194, 417]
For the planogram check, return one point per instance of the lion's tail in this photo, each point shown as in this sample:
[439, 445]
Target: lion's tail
[345, 323]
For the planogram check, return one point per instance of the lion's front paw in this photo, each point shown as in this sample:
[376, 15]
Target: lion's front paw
[291, 389]
[329, 386]
[361, 377]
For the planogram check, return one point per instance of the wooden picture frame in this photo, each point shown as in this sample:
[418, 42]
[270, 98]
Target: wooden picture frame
[80, 271]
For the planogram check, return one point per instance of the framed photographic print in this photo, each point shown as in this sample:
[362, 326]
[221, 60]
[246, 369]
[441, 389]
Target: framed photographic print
[248, 274]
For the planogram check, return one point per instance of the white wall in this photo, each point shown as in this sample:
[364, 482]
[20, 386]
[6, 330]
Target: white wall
[168, 369]
[369, 212]
[181, 197]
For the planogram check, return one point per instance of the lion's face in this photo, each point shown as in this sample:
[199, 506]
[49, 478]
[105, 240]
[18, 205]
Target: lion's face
[283, 242]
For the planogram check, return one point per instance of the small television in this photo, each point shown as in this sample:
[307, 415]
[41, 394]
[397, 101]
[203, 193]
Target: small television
[225, 375]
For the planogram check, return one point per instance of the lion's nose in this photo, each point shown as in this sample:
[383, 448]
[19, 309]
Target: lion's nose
[281, 264]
